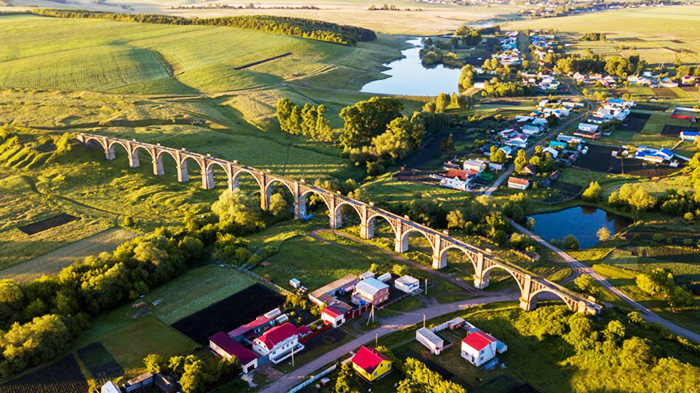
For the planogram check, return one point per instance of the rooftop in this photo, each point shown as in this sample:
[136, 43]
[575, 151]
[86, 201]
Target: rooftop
[278, 334]
[430, 336]
[232, 347]
[335, 285]
[478, 340]
[368, 359]
[370, 286]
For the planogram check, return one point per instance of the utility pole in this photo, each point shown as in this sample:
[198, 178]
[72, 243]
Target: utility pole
[423, 320]
[292, 356]
[376, 340]
[426, 287]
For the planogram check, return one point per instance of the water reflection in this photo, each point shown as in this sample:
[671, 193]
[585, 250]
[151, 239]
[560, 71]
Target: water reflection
[581, 221]
[407, 76]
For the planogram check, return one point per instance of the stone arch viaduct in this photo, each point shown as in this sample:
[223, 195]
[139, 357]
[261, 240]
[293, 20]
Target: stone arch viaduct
[441, 242]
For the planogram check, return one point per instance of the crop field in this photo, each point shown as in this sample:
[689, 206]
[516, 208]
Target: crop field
[99, 362]
[62, 376]
[635, 31]
[227, 314]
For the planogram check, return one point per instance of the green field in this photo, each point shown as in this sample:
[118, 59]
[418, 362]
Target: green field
[658, 34]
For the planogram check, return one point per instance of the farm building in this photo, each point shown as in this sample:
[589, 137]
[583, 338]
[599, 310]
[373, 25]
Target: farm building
[518, 183]
[110, 387]
[407, 284]
[165, 384]
[553, 152]
[430, 340]
[529, 169]
[325, 295]
[495, 166]
[690, 136]
[226, 348]
[587, 127]
[530, 129]
[370, 290]
[332, 316]
[278, 343]
[558, 145]
[478, 348]
[139, 383]
[371, 364]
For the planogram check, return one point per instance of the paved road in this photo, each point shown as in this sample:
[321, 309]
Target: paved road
[389, 325]
[529, 150]
[580, 268]
[454, 280]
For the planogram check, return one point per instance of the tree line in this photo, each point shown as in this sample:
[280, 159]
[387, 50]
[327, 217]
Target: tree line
[596, 63]
[308, 121]
[297, 27]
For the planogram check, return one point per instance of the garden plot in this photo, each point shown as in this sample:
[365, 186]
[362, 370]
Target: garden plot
[100, 363]
[63, 376]
[48, 223]
[635, 122]
[229, 313]
[676, 130]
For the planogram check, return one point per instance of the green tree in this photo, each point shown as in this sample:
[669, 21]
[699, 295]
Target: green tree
[448, 144]
[636, 353]
[442, 101]
[497, 155]
[421, 379]
[585, 284]
[238, 208]
[194, 377]
[367, 119]
[323, 126]
[603, 233]
[592, 193]
[456, 220]
[520, 160]
[154, 363]
[571, 242]
[278, 205]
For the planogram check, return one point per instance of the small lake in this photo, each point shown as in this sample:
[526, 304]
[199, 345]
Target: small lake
[408, 77]
[581, 221]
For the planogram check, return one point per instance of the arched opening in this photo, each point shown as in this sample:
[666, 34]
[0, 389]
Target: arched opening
[246, 182]
[314, 205]
[418, 244]
[193, 169]
[498, 279]
[459, 263]
[280, 200]
[218, 175]
[166, 165]
[95, 145]
[382, 231]
[118, 151]
[546, 295]
[350, 217]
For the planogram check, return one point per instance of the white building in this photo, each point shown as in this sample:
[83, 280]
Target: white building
[518, 183]
[587, 127]
[110, 387]
[474, 166]
[478, 348]
[407, 284]
[430, 340]
[370, 290]
[530, 129]
[278, 342]
[456, 179]
[333, 316]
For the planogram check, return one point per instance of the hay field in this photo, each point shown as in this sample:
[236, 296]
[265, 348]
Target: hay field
[659, 35]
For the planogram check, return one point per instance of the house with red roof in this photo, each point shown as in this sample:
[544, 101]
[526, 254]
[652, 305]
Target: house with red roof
[277, 343]
[479, 347]
[226, 348]
[252, 329]
[371, 364]
[332, 316]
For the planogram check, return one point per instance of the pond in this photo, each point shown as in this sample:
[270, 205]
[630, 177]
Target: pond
[581, 221]
[408, 77]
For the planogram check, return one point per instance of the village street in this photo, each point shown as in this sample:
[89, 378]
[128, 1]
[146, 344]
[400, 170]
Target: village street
[389, 325]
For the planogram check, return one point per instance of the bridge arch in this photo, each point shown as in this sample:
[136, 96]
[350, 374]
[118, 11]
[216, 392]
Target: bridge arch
[236, 176]
[343, 202]
[469, 254]
[212, 163]
[102, 142]
[272, 182]
[372, 223]
[485, 274]
[403, 238]
[532, 300]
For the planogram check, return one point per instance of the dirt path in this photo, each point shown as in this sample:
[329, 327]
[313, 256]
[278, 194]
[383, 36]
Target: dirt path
[456, 281]
[389, 325]
[580, 268]
[56, 260]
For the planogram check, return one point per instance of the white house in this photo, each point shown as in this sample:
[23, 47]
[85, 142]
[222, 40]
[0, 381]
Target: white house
[474, 165]
[456, 179]
[430, 340]
[518, 183]
[507, 149]
[333, 316]
[690, 136]
[587, 127]
[553, 152]
[478, 348]
[278, 342]
[407, 284]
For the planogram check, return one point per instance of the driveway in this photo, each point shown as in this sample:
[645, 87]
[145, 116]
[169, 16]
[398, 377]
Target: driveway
[389, 325]
[580, 268]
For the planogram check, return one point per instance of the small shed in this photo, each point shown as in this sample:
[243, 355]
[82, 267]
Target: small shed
[295, 283]
[141, 382]
[407, 284]
[430, 340]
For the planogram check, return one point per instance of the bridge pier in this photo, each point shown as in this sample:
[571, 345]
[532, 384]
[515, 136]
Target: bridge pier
[182, 174]
[299, 208]
[207, 177]
[109, 152]
[133, 156]
[158, 165]
[481, 282]
[527, 302]
[439, 253]
[367, 229]
[481, 275]
[401, 242]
